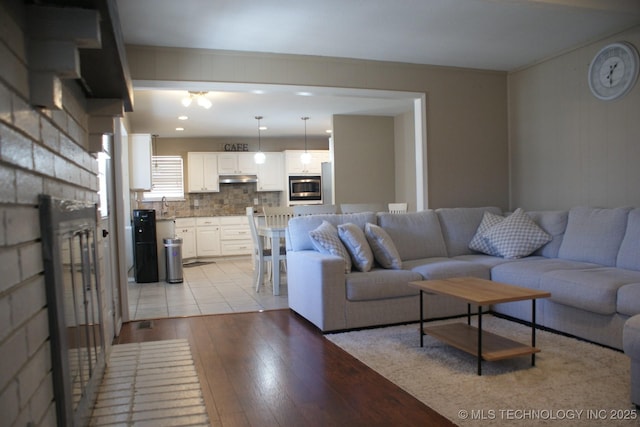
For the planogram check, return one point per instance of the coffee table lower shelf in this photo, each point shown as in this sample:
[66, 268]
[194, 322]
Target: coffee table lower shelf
[465, 337]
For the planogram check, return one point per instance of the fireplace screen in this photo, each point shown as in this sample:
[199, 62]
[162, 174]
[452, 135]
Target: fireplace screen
[73, 302]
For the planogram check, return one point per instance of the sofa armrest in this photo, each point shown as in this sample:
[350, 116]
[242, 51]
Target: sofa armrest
[316, 288]
[631, 337]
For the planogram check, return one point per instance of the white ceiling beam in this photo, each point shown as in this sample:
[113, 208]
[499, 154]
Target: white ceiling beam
[621, 6]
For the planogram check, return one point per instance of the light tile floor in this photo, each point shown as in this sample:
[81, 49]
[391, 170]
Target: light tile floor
[223, 286]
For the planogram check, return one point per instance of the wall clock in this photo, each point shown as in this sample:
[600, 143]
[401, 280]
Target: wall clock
[613, 71]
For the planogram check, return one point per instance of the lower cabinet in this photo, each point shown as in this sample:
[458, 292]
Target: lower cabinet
[208, 236]
[235, 235]
[186, 230]
[214, 236]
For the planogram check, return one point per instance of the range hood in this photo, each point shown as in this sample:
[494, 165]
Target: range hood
[237, 179]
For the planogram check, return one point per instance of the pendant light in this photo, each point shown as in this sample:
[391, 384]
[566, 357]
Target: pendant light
[259, 157]
[305, 157]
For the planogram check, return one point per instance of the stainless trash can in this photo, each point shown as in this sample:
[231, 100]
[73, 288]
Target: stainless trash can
[173, 259]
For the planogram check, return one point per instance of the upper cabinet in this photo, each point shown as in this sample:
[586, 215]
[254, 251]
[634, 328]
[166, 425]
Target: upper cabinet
[294, 166]
[271, 173]
[140, 151]
[234, 163]
[203, 172]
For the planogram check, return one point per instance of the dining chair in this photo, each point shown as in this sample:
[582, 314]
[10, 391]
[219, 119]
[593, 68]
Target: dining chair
[346, 208]
[277, 216]
[261, 255]
[398, 207]
[300, 210]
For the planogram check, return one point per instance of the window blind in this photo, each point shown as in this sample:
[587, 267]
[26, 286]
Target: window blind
[166, 178]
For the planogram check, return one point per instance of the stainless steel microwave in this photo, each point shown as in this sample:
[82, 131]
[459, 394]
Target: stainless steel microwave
[305, 188]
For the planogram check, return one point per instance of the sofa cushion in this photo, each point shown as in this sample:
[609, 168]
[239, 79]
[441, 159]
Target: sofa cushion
[555, 224]
[299, 227]
[517, 236]
[326, 240]
[443, 268]
[629, 299]
[459, 225]
[593, 289]
[594, 235]
[356, 243]
[488, 260]
[527, 271]
[479, 243]
[415, 234]
[380, 284]
[384, 250]
[629, 254]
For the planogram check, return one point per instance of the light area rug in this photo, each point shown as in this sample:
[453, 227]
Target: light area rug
[150, 384]
[572, 383]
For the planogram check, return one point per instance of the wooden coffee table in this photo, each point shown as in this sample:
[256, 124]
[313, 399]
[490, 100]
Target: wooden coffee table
[485, 345]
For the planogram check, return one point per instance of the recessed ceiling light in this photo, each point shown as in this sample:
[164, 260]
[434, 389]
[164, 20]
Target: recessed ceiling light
[179, 129]
[182, 117]
[258, 91]
[304, 93]
[328, 131]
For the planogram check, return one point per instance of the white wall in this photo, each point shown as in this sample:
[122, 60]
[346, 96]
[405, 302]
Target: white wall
[404, 160]
[568, 148]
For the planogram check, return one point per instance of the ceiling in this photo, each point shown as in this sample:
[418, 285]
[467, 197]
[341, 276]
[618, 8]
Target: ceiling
[503, 35]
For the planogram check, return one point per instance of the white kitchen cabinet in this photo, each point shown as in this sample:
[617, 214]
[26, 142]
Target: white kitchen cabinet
[203, 172]
[294, 165]
[140, 152]
[233, 163]
[186, 230]
[207, 236]
[235, 236]
[271, 175]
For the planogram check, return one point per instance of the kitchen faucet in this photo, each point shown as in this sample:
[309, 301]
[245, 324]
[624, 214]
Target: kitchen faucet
[164, 205]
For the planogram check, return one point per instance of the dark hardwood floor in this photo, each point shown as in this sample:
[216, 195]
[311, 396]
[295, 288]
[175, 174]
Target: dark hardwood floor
[276, 369]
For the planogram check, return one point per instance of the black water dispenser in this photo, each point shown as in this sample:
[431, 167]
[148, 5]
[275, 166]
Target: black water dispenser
[145, 245]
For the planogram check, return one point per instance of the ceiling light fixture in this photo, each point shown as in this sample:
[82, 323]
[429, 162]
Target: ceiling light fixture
[305, 157]
[200, 98]
[259, 157]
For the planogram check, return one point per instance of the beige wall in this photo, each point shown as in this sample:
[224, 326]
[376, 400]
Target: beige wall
[363, 153]
[466, 110]
[568, 148]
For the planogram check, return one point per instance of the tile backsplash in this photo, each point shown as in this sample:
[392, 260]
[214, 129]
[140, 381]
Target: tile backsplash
[231, 200]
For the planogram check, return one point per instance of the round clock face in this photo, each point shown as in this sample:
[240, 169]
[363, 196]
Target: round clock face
[613, 71]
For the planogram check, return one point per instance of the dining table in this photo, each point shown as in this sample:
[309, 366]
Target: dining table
[275, 235]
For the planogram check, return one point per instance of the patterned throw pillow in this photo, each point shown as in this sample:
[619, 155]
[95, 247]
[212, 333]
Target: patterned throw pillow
[326, 240]
[356, 243]
[479, 243]
[384, 250]
[517, 236]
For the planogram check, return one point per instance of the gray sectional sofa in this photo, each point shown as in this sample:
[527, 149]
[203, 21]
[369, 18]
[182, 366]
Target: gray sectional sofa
[591, 267]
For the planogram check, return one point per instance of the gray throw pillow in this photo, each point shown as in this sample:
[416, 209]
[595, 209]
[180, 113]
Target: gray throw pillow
[326, 240]
[356, 243]
[384, 250]
[517, 236]
[479, 243]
